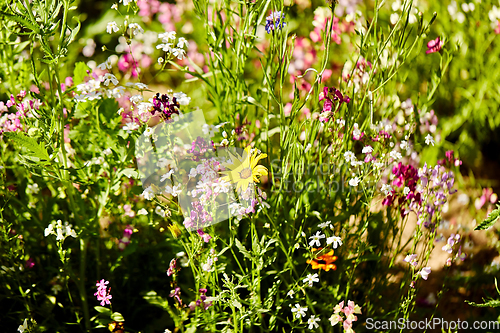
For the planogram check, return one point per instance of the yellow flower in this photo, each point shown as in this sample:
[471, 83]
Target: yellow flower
[243, 170]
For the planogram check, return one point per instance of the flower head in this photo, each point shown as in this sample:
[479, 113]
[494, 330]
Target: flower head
[243, 170]
[275, 21]
[325, 261]
[434, 45]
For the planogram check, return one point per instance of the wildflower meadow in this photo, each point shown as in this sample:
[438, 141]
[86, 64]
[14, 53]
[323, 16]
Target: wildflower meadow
[249, 166]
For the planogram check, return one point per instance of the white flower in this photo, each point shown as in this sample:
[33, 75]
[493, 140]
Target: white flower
[126, 2]
[425, 272]
[324, 224]
[135, 28]
[311, 278]
[182, 98]
[167, 331]
[395, 155]
[117, 92]
[167, 36]
[406, 190]
[109, 77]
[136, 99]
[167, 47]
[404, 145]
[429, 140]
[209, 129]
[386, 189]
[179, 53]
[112, 27]
[130, 126]
[182, 42]
[167, 175]
[313, 322]
[105, 65]
[148, 132]
[290, 293]
[49, 230]
[160, 211]
[336, 240]
[315, 239]
[349, 156]
[144, 107]
[142, 211]
[148, 193]
[299, 311]
[367, 150]
[23, 327]
[296, 246]
[32, 189]
[354, 181]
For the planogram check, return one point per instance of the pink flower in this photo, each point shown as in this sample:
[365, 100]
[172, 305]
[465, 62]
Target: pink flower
[434, 45]
[103, 294]
[497, 30]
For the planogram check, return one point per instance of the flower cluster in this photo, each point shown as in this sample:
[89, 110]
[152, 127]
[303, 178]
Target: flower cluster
[333, 101]
[170, 47]
[125, 240]
[59, 230]
[12, 122]
[102, 293]
[165, 106]
[275, 21]
[201, 302]
[349, 311]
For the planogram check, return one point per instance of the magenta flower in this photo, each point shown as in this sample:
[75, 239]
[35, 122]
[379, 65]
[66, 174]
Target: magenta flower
[434, 45]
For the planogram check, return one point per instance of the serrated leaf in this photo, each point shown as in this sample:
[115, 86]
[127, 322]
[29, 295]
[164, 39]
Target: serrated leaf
[490, 220]
[38, 150]
[24, 22]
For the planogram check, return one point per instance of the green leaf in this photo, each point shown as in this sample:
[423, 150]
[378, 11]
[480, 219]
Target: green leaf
[37, 149]
[242, 249]
[490, 220]
[117, 316]
[102, 309]
[80, 72]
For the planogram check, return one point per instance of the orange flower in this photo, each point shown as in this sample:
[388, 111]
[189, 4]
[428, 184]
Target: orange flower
[324, 262]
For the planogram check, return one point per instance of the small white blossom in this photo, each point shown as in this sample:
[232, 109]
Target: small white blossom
[148, 193]
[367, 150]
[354, 181]
[299, 311]
[135, 29]
[404, 145]
[182, 98]
[142, 211]
[395, 155]
[336, 240]
[324, 224]
[182, 42]
[290, 293]
[429, 140]
[315, 239]
[112, 27]
[179, 53]
[406, 190]
[313, 322]
[109, 77]
[310, 279]
[386, 189]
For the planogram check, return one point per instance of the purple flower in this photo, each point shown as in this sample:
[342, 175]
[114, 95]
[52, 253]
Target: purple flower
[165, 106]
[275, 21]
